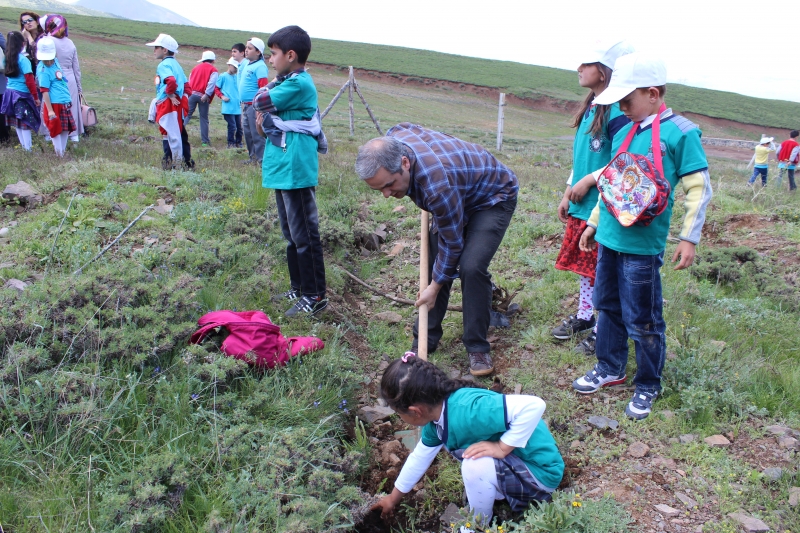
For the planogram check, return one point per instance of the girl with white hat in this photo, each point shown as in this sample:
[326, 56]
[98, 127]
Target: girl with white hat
[760, 160]
[56, 98]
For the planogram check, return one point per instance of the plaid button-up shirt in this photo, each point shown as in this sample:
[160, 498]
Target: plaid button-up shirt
[452, 179]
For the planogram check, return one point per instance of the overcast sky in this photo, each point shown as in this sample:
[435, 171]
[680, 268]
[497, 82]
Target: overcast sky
[746, 46]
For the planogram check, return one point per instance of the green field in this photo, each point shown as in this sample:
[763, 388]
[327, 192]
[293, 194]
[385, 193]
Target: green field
[110, 421]
[529, 81]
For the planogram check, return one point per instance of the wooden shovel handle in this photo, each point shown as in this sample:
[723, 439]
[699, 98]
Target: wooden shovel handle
[422, 329]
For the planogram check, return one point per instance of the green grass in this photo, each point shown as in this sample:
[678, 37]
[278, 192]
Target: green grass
[528, 81]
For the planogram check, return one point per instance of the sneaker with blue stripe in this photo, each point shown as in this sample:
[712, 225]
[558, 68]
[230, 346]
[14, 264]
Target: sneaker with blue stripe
[641, 404]
[595, 379]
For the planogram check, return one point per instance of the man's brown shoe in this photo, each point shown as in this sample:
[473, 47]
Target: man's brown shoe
[480, 364]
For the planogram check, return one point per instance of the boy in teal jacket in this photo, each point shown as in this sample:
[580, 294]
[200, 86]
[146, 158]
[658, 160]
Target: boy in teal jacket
[290, 166]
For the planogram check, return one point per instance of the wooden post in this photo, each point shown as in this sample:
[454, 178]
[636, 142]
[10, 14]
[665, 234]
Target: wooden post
[350, 97]
[500, 120]
[364, 101]
[335, 98]
[422, 328]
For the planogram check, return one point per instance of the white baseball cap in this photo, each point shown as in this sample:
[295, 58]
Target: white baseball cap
[631, 72]
[258, 43]
[233, 62]
[46, 49]
[208, 55]
[608, 53]
[165, 41]
[764, 138]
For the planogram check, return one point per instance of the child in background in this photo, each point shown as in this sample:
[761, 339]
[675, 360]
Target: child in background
[237, 54]
[56, 98]
[788, 157]
[252, 76]
[291, 167]
[171, 103]
[760, 160]
[628, 290]
[20, 104]
[228, 91]
[597, 125]
[504, 446]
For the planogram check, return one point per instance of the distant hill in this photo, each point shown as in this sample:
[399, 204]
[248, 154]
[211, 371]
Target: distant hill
[51, 6]
[136, 10]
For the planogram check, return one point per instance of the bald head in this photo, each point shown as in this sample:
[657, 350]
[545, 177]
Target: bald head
[380, 152]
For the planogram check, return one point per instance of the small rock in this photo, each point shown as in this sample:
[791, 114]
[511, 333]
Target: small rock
[666, 510]
[397, 249]
[666, 462]
[667, 414]
[638, 449]
[513, 309]
[162, 208]
[530, 347]
[576, 445]
[454, 374]
[686, 439]
[399, 209]
[749, 523]
[603, 422]
[4, 232]
[394, 460]
[375, 414]
[17, 284]
[451, 514]
[594, 492]
[772, 473]
[581, 429]
[789, 443]
[23, 193]
[120, 207]
[777, 430]
[685, 500]
[717, 441]
[468, 377]
[794, 496]
[390, 317]
[383, 365]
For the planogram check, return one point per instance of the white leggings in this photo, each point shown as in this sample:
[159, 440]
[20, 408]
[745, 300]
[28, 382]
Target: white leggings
[480, 483]
[60, 143]
[24, 138]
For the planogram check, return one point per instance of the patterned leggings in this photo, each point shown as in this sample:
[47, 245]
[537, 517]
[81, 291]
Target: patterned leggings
[585, 305]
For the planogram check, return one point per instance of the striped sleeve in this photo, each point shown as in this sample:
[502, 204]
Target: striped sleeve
[697, 187]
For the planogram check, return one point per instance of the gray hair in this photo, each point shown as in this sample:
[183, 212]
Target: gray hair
[380, 152]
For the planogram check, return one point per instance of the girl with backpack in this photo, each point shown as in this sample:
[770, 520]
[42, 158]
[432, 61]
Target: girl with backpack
[20, 104]
[55, 95]
[505, 448]
[596, 127]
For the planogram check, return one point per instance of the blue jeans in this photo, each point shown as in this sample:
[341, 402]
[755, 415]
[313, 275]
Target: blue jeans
[234, 129]
[297, 212]
[756, 172]
[627, 295]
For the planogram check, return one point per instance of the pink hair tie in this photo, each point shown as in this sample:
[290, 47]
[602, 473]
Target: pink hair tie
[407, 355]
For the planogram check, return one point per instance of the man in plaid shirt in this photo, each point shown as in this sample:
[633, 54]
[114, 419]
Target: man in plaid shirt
[472, 197]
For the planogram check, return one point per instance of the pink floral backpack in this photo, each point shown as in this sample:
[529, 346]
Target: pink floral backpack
[253, 338]
[635, 190]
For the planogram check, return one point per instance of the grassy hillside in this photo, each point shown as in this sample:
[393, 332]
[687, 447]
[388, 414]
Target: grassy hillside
[524, 80]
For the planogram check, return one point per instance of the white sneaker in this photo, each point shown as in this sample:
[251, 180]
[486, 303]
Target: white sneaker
[594, 380]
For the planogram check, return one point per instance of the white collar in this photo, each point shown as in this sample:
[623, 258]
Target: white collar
[649, 120]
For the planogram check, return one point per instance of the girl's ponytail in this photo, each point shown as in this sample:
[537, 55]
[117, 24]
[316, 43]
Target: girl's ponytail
[410, 380]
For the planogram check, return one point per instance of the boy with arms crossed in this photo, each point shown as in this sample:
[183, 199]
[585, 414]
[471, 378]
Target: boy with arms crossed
[290, 166]
[628, 288]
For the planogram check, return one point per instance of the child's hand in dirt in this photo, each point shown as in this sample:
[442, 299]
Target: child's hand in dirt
[580, 189]
[498, 450]
[686, 252]
[387, 504]
[587, 243]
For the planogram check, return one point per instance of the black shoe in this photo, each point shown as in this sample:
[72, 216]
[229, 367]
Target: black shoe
[289, 296]
[572, 326]
[188, 165]
[480, 364]
[307, 306]
[166, 163]
[587, 346]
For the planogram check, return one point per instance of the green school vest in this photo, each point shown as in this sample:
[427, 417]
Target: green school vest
[475, 415]
[296, 167]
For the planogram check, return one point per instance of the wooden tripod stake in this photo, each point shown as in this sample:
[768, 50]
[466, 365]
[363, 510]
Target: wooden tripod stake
[422, 329]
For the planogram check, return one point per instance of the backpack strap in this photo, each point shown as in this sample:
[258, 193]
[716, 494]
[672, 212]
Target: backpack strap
[198, 335]
[654, 142]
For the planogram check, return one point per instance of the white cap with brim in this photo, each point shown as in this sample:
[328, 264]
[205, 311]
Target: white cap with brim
[46, 49]
[608, 55]
[766, 140]
[208, 55]
[165, 41]
[233, 62]
[631, 72]
[258, 43]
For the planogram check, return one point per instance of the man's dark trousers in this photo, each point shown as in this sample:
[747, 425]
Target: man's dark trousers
[297, 212]
[482, 237]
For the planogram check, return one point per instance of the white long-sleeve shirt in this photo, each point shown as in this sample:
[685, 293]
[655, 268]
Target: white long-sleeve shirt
[523, 412]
